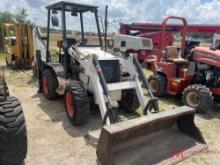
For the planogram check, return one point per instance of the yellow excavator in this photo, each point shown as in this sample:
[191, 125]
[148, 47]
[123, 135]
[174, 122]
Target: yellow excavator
[18, 42]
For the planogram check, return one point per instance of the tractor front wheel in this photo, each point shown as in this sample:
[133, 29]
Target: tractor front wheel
[50, 84]
[158, 84]
[76, 103]
[129, 100]
[199, 97]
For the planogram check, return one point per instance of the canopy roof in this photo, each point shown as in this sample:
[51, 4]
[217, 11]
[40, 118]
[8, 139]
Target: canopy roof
[70, 6]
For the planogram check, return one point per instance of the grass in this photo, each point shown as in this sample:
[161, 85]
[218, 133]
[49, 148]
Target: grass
[2, 56]
[54, 53]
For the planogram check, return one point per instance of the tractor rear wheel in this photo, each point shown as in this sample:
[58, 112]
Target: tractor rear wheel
[13, 136]
[129, 100]
[76, 103]
[50, 84]
[158, 84]
[198, 96]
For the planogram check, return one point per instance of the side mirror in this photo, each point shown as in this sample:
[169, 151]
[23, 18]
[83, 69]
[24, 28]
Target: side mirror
[54, 19]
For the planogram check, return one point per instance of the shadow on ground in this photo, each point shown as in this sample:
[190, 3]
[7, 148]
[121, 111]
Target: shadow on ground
[55, 110]
[213, 113]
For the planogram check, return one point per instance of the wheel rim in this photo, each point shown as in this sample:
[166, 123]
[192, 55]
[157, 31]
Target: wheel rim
[154, 85]
[45, 85]
[193, 99]
[69, 104]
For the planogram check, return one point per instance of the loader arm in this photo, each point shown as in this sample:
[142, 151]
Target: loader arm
[102, 90]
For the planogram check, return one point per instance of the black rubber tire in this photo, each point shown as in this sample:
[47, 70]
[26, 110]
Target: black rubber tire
[129, 100]
[13, 136]
[52, 84]
[81, 103]
[204, 94]
[162, 84]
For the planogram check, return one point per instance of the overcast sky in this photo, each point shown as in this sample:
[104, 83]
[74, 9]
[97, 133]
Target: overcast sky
[128, 11]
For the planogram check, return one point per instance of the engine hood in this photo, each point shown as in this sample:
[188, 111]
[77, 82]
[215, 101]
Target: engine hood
[207, 56]
[102, 55]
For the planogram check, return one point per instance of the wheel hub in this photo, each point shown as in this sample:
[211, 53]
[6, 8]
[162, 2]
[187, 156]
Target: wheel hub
[193, 99]
[154, 85]
[45, 85]
[69, 104]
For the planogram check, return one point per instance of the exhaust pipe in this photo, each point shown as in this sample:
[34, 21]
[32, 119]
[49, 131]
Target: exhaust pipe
[161, 138]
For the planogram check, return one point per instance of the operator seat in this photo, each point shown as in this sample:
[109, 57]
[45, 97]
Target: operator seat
[174, 56]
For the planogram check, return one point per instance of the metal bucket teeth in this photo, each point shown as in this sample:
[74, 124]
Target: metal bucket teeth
[162, 138]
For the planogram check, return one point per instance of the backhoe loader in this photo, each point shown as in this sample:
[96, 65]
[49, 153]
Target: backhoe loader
[85, 73]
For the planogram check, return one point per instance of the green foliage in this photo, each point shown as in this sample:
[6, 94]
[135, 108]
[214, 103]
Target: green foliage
[2, 56]
[54, 53]
[21, 16]
[1, 39]
[6, 17]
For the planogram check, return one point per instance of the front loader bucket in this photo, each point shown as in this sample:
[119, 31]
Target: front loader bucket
[161, 138]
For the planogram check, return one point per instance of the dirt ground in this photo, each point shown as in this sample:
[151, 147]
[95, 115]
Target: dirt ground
[53, 140]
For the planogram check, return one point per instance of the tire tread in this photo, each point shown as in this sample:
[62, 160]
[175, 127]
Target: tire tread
[13, 136]
[204, 93]
[81, 103]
